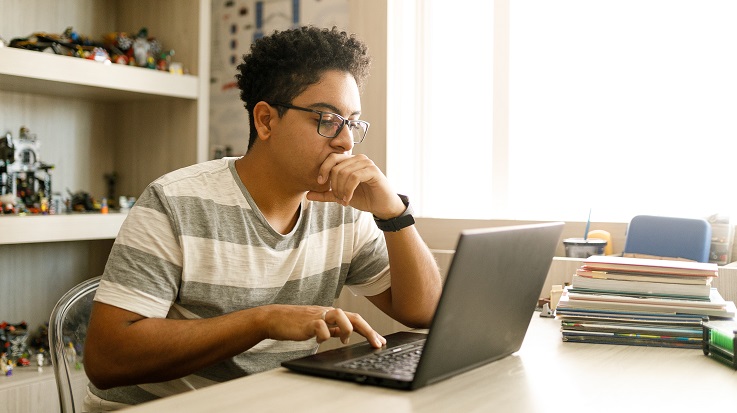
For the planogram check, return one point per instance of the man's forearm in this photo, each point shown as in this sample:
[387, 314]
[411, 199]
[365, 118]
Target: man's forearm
[153, 350]
[124, 348]
[416, 283]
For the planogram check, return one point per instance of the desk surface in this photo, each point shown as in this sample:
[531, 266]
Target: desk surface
[545, 375]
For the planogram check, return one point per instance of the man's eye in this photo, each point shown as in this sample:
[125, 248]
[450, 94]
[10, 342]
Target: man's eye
[330, 123]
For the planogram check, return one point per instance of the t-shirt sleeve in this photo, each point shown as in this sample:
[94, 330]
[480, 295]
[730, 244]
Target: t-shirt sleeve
[368, 274]
[144, 269]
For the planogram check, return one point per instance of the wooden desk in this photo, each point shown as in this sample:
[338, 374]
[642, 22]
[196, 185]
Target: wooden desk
[546, 375]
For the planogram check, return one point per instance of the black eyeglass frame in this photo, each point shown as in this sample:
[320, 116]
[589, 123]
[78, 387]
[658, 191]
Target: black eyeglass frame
[343, 120]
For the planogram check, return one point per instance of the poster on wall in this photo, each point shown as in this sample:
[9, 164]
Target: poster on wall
[235, 24]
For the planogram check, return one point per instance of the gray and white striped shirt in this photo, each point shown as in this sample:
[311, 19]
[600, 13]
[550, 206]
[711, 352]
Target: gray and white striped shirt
[195, 245]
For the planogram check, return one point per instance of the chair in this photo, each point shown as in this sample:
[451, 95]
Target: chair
[67, 331]
[688, 238]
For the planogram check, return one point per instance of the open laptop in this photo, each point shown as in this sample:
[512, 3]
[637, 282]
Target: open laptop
[491, 291]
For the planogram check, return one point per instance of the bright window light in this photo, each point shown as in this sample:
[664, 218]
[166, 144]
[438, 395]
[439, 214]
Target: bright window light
[440, 104]
[625, 107]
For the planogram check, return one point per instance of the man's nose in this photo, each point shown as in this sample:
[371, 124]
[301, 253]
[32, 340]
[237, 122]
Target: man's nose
[344, 139]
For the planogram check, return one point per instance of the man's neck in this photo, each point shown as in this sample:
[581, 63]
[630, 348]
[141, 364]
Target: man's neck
[278, 204]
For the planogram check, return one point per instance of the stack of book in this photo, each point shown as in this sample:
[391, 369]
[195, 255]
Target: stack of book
[638, 301]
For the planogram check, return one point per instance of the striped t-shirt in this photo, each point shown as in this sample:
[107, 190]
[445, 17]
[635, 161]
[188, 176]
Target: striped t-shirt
[195, 245]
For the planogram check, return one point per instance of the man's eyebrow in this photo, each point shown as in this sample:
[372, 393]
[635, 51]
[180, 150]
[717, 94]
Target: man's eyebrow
[331, 108]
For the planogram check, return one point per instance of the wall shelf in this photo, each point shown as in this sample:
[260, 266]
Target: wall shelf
[16, 229]
[49, 74]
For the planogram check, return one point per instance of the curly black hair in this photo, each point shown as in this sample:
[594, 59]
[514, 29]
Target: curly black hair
[281, 66]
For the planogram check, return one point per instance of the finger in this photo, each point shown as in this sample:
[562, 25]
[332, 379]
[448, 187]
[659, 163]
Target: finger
[326, 196]
[321, 331]
[363, 328]
[319, 326]
[350, 183]
[345, 178]
[333, 159]
[338, 318]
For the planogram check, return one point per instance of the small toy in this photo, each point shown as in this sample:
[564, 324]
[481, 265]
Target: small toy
[14, 339]
[126, 203]
[116, 47]
[111, 180]
[69, 42]
[99, 54]
[82, 201]
[40, 339]
[71, 355]
[6, 365]
[7, 204]
[22, 174]
[40, 360]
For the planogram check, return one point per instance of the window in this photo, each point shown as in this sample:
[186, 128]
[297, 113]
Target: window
[624, 107]
[437, 55]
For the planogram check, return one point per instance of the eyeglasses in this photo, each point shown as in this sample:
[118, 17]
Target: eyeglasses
[330, 124]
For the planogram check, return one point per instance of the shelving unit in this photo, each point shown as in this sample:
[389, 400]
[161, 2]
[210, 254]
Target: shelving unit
[59, 228]
[43, 73]
[92, 119]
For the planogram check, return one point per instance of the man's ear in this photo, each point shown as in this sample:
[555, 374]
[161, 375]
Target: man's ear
[263, 116]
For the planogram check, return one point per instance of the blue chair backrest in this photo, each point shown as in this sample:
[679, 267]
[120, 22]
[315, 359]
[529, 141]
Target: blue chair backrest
[688, 238]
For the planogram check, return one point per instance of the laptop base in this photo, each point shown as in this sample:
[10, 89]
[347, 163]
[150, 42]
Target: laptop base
[329, 359]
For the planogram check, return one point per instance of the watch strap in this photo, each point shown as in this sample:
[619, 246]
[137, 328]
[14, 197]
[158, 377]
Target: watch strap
[397, 223]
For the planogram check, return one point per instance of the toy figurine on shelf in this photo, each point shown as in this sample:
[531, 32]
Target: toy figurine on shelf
[14, 341]
[68, 43]
[22, 174]
[140, 50]
[7, 204]
[146, 49]
[82, 202]
[98, 54]
[120, 46]
[40, 360]
[111, 180]
[71, 355]
[7, 365]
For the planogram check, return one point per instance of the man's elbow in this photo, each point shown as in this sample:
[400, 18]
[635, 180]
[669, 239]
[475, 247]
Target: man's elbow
[98, 374]
[418, 319]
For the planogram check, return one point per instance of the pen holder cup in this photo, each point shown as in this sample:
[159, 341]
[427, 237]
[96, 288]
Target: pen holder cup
[584, 248]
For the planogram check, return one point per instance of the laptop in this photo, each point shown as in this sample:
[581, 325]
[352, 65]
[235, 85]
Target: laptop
[490, 293]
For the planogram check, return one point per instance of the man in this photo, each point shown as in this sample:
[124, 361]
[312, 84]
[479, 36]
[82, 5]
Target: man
[229, 267]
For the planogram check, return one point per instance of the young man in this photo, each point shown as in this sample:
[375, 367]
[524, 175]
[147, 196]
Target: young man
[229, 267]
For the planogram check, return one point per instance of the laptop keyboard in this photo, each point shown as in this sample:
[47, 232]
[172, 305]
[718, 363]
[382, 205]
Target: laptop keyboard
[396, 361]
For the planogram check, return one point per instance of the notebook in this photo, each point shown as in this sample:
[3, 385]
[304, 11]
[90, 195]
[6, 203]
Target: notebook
[490, 293]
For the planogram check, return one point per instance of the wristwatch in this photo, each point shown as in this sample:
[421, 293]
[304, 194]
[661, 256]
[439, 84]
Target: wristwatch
[397, 223]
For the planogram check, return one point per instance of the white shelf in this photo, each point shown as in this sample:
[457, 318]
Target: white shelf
[45, 73]
[29, 229]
